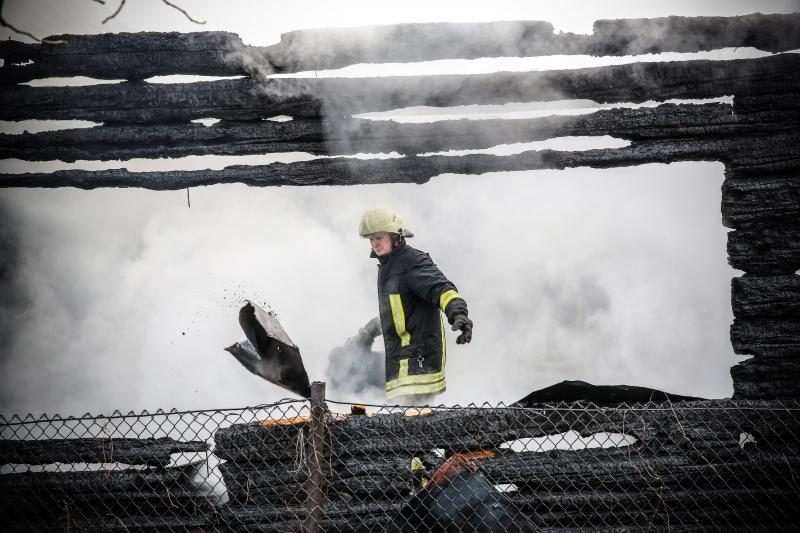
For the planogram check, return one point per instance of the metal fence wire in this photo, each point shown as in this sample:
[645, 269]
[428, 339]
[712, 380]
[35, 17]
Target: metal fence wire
[707, 465]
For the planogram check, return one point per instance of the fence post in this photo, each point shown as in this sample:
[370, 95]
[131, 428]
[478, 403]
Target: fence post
[315, 494]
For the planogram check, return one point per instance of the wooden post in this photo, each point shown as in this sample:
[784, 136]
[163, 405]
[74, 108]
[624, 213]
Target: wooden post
[315, 494]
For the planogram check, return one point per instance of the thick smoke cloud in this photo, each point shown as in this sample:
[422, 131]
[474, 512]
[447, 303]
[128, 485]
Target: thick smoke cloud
[125, 298]
[612, 276]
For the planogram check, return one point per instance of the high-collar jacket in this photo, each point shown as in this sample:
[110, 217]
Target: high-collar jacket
[411, 293]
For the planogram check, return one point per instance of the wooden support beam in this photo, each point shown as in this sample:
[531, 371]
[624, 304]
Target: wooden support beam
[767, 336]
[767, 377]
[136, 56]
[335, 48]
[766, 296]
[336, 98]
[151, 451]
[765, 251]
[762, 199]
[320, 137]
[125, 56]
[344, 171]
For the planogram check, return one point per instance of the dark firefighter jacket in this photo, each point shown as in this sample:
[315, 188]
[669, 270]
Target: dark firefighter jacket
[411, 292]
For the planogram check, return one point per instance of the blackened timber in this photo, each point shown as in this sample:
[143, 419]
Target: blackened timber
[764, 377]
[248, 99]
[96, 481]
[761, 200]
[125, 56]
[142, 102]
[334, 48]
[765, 251]
[135, 56]
[155, 452]
[344, 171]
[768, 336]
[346, 137]
[766, 296]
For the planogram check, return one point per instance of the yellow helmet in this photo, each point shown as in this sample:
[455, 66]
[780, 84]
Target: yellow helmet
[377, 219]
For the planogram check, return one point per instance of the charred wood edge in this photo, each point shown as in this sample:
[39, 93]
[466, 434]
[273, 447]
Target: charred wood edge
[761, 198]
[765, 251]
[154, 452]
[766, 296]
[346, 137]
[141, 55]
[682, 423]
[766, 336]
[79, 482]
[343, 171]
[766, 377]
[248, 99]
[559, 471]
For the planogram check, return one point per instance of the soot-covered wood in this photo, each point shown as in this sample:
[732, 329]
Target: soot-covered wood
[154, 452]
[688, 461]
[324, 137]
[141, 55]
[151, 499]
[251, 99]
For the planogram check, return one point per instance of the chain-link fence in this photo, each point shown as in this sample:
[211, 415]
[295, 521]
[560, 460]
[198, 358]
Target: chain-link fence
[711, 465]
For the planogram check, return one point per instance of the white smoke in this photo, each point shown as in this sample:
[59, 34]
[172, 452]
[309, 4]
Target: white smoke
[126, 298]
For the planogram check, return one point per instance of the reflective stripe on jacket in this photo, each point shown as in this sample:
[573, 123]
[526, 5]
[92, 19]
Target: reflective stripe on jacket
[411, 293]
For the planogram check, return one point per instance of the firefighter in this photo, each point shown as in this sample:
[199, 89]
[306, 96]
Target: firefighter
[411, 292]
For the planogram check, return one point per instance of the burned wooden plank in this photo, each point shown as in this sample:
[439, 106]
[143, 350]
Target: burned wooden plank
[155, 452]
[766, 296]
[96, 481]
[315, 136]
[125, 56]
[337, 516]
[769, 200]
[343, 171]
[633, 469]
[674, 509]
[766, 377]
[334, 48]
[135, 56]
[765, 251]
[766, 336]
[248, 99]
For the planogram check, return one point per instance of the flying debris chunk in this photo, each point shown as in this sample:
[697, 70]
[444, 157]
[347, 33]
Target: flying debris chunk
[269, 352]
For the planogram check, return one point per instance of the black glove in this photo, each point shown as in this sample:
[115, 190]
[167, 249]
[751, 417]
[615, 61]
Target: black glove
[463, 323]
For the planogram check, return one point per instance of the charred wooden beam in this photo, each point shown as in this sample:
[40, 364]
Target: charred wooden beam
[125, 56]
[668, 121]
[766, 377]
[766, 296]
[768, 201]
[343, 171]
[684, 510]
[765, 251]
[153, 452]
[766, 336]
[334, 48]
[136, 56]
[96, 481]
[249, 99]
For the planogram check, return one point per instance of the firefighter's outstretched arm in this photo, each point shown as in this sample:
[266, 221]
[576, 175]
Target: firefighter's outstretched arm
[428, 282]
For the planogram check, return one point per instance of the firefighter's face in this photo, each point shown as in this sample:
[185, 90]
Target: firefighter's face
[381, 243]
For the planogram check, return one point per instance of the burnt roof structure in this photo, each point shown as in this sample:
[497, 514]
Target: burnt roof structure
[756, 136]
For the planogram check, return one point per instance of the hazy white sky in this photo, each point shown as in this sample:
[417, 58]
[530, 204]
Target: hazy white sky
[125, 298]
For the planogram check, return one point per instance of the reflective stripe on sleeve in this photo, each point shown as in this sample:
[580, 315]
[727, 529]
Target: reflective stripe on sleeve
[399, 317]
[446, 298]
